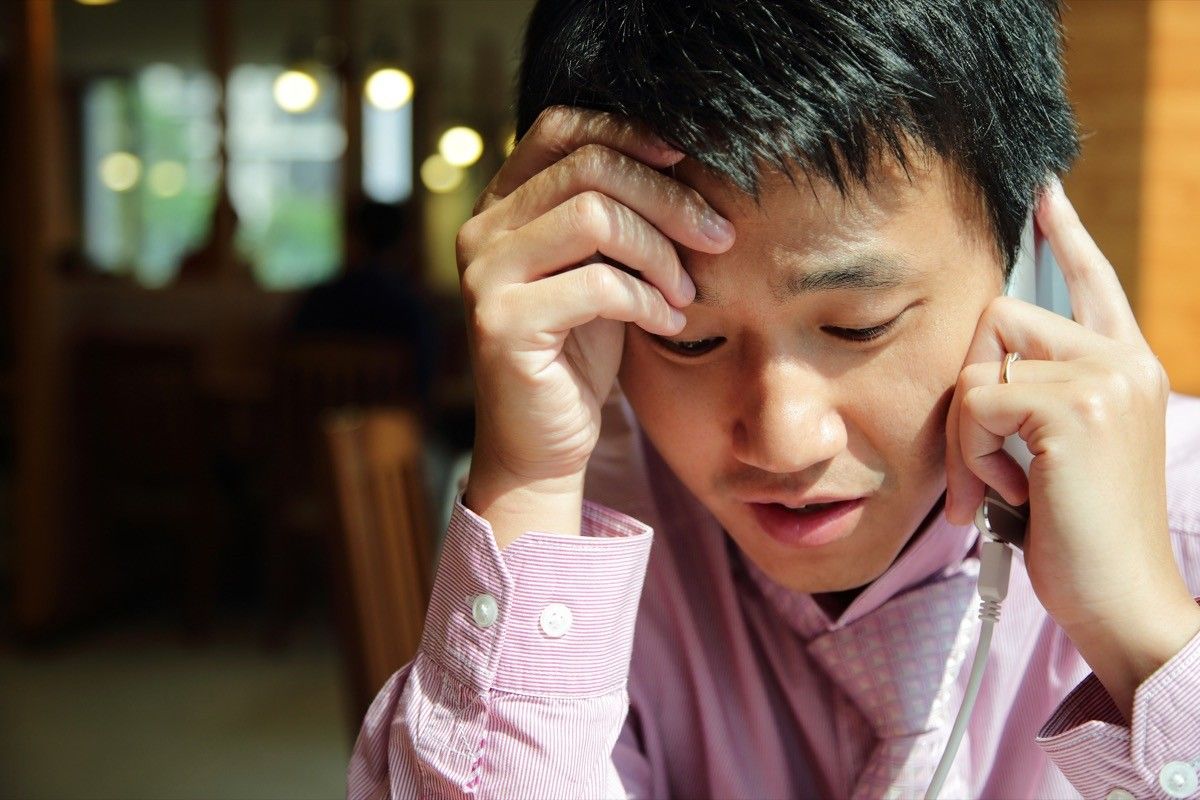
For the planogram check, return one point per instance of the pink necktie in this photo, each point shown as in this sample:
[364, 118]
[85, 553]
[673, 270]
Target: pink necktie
[900, 666]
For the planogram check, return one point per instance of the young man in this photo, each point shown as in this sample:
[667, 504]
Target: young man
[784, 228]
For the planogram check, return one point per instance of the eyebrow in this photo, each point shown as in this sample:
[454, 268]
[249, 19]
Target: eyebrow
[866, 271]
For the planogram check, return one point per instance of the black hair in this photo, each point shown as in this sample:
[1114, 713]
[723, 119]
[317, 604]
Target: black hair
[829, 86]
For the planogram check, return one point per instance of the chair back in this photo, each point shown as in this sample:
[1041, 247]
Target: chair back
[384, 570]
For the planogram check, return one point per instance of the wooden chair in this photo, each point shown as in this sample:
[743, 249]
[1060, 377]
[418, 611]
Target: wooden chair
[313, 377]
[383, 570]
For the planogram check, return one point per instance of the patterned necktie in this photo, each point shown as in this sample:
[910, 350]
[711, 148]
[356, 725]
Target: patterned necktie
[900, 666]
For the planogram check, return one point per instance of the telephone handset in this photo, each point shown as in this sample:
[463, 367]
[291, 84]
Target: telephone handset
[1036, 278]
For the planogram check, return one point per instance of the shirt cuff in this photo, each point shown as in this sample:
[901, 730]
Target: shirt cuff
[553, 615]
[1162, 743]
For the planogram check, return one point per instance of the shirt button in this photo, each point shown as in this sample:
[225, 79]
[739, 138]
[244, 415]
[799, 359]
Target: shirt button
[1119, 794]
[1178, 779]
[556, 620]
[484, 610]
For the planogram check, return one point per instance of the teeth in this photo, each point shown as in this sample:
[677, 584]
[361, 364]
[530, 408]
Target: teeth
[809, 507]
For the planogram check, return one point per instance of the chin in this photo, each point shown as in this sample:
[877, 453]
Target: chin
[851, 562]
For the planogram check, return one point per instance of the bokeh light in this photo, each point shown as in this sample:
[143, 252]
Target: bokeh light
[389, 89]
[439, 175]
[167, 178]
[461, 146]
[296, 91]
[120, 171]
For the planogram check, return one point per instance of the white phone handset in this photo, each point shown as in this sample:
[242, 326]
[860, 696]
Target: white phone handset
[1035, 278]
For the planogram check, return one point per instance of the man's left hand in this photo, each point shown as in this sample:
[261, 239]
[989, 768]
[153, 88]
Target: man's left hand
[1089, 399]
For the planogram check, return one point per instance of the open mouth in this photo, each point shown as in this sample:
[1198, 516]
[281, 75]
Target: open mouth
[810, 525]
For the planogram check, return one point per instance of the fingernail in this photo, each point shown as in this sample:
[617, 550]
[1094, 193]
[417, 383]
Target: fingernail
[716, 227]
[678, 319]
[687, 287]
[1053, 189]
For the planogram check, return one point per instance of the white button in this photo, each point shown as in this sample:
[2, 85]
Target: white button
[1118, 794]
[1178, 779]
[556, 620]
[484, 610]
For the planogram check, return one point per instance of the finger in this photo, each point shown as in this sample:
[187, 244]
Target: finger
[560, 130]
[677, 210]
[574, 232]
[990, 414]
[964, 489]
[1010, 325]
[570, 299]
[1097, 300]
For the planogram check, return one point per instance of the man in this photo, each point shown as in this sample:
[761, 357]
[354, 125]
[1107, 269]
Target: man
[784, 228]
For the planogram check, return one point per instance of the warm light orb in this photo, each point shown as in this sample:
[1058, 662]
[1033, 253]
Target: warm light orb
[120, 171]
[167, 178]
[95, 2]
[461, 146]
[296, 91]
[389, 89]
[439, 175]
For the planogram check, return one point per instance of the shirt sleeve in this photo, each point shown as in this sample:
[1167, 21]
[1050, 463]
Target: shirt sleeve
[519, 687]
[1157, 755]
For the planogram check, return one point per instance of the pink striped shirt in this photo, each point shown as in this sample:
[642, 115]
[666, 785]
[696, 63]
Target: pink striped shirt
[605, 666]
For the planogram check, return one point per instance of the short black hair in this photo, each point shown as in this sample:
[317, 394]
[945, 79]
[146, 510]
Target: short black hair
[829, 86]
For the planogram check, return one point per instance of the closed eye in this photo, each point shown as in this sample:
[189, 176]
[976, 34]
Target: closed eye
[692, 349]
[860, 334]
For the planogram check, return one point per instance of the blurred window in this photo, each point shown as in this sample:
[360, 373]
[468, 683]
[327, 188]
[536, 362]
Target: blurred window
[387, 152]
[284, 179]
[149, 170]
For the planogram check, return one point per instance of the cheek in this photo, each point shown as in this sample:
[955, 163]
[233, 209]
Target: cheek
[677, 412]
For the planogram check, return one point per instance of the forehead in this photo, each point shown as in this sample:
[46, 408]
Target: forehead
[903, 220]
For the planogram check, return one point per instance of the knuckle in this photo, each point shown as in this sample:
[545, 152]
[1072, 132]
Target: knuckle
[468, 282]
[1152, 375]
[486, 320]
[1092, 406]
[553, 124]
[594, 160]
[971, 399]
[593, 214]
[598, 280]
[465, 243]
[970, 377]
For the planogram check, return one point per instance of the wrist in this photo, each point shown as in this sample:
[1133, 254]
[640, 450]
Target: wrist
[513, 504]
[1124, 653]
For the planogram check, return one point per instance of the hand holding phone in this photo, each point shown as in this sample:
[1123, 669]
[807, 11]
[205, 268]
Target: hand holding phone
[1088, 401]
[1036, 278]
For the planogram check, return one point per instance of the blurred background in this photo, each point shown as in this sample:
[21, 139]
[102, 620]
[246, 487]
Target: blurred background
[234, 391]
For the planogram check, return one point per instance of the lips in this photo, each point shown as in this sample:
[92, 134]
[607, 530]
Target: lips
[809, 524]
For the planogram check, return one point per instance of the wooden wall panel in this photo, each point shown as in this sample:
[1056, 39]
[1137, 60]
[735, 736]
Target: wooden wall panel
[1169, 280]
[1134, 74]
[1105, 56]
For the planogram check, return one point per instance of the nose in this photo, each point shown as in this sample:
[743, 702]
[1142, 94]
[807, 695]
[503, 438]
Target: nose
[787, 421]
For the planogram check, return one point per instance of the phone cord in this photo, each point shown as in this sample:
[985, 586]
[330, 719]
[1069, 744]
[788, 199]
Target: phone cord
[995, 561]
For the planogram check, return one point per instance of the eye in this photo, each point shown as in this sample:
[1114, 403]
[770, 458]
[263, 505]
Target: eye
[860, 334]
[689, 349]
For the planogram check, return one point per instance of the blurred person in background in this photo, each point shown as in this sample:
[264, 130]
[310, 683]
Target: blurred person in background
[380, 294]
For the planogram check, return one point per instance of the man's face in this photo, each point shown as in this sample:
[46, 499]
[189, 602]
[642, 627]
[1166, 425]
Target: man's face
[781, 398]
